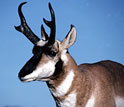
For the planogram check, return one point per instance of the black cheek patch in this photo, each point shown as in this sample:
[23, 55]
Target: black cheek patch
[29, 67]
[58, 69]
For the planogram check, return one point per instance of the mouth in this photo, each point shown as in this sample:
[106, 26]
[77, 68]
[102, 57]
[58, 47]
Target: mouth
[23, 79]
[33, 77]
[44, 79]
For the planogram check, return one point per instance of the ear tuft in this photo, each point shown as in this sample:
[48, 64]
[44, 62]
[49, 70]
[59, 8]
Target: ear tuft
[70, 38]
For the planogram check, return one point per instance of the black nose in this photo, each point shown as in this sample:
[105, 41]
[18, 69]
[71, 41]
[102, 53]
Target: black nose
[23, 72]
[29, 67]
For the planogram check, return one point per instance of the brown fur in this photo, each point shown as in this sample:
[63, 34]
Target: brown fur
[104, 80]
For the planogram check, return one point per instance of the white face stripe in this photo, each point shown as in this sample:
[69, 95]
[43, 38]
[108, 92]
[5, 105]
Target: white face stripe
[46, 70]
[119, 101]
[70, 100]
[63, 88]
[91, 102]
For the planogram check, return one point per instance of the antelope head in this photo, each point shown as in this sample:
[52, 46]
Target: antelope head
[48, 54]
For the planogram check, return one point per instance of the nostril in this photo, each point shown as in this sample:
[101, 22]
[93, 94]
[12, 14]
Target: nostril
[23, 72]
[21, 75]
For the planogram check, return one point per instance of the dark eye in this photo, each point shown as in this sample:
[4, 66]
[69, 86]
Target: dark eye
[51, 53]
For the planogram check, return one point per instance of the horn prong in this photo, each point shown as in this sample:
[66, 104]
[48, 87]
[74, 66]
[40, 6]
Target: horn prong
[43, 33]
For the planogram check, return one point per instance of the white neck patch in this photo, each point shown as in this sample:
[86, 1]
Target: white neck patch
[63, 88]
[91, 102]
[119, 101]
[70, 100]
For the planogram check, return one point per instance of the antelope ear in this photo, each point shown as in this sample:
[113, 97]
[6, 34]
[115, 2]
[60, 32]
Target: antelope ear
[69, 39]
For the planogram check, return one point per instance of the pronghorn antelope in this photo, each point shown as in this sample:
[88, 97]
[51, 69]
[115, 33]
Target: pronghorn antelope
[87, 85]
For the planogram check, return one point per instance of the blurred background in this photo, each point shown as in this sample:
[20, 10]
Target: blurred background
[100, 36]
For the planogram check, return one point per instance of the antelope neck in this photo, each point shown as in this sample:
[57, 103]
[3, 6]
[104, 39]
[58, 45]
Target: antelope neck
[61, 86]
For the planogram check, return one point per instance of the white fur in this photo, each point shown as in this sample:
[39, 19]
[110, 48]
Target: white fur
[64, 57]
[30, 77]
[119, 102]
[42, 71]
[41, 43]
[90, 102]
[46, 70]
[70, 100]
[63, 88]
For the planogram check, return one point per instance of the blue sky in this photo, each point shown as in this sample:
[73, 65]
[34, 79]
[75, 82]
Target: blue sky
[100, 36]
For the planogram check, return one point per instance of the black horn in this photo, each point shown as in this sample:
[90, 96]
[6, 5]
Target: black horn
[52, 26]
[24, 28]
